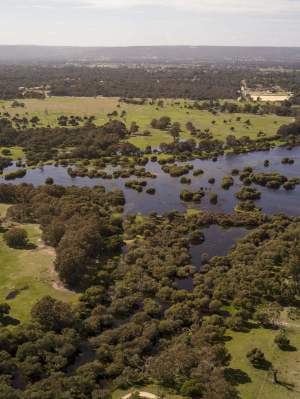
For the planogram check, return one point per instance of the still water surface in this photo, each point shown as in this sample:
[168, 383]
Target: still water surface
[168, 188]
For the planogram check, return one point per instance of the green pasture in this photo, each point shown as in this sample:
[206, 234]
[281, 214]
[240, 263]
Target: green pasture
[220, 125]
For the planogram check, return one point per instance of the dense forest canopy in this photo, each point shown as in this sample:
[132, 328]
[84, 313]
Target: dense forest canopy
[210, 81]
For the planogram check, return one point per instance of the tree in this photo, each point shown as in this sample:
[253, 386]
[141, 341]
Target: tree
[268, 315]
[256, 357]
[175, 131]
[52, 314]
[134, 127]
[190, 127]
[16, 237]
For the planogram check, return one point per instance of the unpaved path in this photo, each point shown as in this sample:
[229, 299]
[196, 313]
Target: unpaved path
[56, 283]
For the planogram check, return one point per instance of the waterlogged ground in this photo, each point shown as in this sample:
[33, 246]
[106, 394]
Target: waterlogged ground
[168, 188]
[218, 241]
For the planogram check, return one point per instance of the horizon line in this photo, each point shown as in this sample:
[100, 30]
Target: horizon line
[146, 45]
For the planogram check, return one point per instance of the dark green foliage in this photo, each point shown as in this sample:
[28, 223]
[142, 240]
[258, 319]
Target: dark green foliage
[52, 314]
[256, 357]
[49, 180]
[16, 237]
[282, 340]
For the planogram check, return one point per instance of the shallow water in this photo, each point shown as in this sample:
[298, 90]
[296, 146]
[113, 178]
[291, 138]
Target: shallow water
[218, 241]
[168, 188]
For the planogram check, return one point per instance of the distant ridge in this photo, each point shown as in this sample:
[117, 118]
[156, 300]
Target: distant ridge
[148, 54]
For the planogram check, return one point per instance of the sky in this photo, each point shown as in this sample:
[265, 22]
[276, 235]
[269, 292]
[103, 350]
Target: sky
[150, 22]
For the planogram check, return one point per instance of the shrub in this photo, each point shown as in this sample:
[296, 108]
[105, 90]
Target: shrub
[15, 174]
[227, 182]
[248, 193]
[185, 180]
[287, 161]
[151, 191]
[198, 172]
[49, 180]
[16, 237]
[282, 340]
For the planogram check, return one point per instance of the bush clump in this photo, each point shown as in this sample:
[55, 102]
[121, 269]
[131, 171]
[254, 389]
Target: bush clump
[136, 185]
[248, 193]
[287, 161]
[189, 196]
[177, 170]
[16, 174]
[16, 237]
[227, 182]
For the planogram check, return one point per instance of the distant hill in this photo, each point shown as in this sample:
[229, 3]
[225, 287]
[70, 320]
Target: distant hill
[150, 54]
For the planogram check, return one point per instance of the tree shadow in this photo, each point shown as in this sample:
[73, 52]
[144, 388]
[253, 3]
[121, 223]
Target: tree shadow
[251, 325]
[263, 365]
[9, 321]
[30, 245]
[288, 385]
[226, 338]
[13, 294]
[288, 348]
[237, 376]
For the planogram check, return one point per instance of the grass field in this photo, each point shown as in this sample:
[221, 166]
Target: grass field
[16, 152]
[258, 383]
[49, 109]
[28, 271]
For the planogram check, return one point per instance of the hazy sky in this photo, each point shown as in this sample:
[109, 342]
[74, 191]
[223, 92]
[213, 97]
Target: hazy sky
[150, 22]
